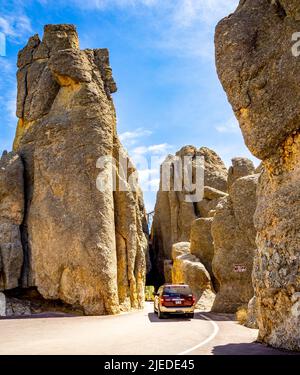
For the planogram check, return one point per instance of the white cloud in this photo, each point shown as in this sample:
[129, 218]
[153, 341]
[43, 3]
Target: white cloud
[16, 27]
[130, 138]
[188, 12]
[8, 92]
[183, 12]
[148, 160]
[140, 150]
[149, 179]
[104, 4]
[183, 28]
[189, 31]
[7, 67]
[149, 176]
[159, 149]
[229, 126]
[11, 105]
[162, 148]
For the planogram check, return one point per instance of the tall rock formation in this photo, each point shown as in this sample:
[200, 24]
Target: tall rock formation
[83, 245]
[174, 215]
[234, 240]
[260, 71]
[11, 217]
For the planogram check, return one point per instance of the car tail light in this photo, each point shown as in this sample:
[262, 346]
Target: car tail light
[164, 299]
[191, 298]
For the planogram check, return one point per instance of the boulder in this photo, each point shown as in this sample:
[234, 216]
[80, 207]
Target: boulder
[234, 245]
[11, 217]
[83, 237]
[240, 167]
[189, 270]
[207, 206]
[180, 248]
[259, 69]
[18, 307]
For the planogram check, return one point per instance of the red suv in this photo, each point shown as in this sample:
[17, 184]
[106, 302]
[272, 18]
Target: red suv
[174, 299]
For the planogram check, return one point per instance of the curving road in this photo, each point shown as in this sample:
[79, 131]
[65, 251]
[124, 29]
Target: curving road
[133, 333]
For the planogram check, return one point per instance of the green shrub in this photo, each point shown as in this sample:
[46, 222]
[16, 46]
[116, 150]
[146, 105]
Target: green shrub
[149, 290]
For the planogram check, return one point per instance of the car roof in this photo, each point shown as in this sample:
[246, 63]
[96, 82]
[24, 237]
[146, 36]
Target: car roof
[181, 285]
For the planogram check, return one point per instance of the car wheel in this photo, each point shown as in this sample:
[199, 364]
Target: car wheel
[160, 314]
[190, 315]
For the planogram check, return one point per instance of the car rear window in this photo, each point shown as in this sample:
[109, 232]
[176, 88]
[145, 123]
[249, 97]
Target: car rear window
[177, 290]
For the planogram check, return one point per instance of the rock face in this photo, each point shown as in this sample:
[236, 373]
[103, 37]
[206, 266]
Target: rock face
[234, 245]
[2, 304]
[168, 264]
[202, 245]
[260, 72]
[174, 216]
[83, 245]
[202, 242]
[11, 217]
[252, 314]
[188, 269]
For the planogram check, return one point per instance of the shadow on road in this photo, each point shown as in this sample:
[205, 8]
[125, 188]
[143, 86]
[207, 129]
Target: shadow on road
[40, 316]
[171, 318]
[252, 348]
[218, 317]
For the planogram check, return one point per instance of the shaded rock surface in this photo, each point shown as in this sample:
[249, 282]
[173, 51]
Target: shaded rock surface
[11, 217]
[17, 307]
[188, 269]
[174, 215]
[234, 245]
[83, 244]
[2, 304]
[168, 264]
[260, 74]
[26, 302]
[252, 314]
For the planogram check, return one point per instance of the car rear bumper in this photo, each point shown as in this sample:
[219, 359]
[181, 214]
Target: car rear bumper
[177, 310]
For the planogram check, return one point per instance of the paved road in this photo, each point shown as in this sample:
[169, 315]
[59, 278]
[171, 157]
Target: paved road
[134, 333]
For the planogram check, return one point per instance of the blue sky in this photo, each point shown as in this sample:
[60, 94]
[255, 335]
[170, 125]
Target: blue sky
[162, 57]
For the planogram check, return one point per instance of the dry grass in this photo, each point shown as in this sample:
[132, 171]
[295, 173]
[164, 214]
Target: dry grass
[149, 290]
[242, 314]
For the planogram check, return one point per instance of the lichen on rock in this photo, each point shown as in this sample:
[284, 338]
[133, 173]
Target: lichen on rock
[260, 75]
[83, 246]
[233, 235]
